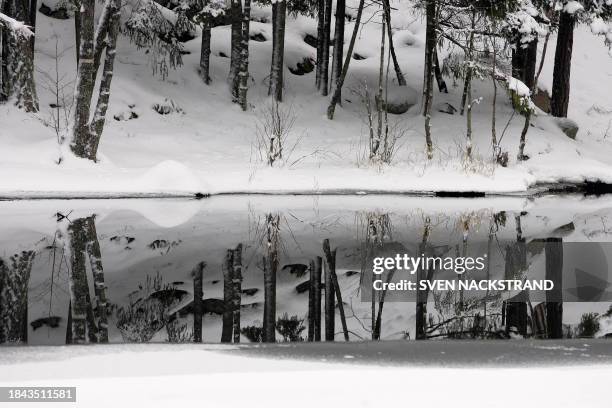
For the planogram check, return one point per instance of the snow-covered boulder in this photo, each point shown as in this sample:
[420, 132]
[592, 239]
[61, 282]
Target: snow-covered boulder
[54, 9]
[568, 126]
[400, 99]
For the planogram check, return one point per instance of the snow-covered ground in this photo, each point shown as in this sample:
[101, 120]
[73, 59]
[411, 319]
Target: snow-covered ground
[209, 147]
[160, 376]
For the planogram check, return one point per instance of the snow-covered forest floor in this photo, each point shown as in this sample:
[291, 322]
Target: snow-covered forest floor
[209, 145]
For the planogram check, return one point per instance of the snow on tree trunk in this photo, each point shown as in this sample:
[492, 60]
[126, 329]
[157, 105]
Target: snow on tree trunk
[275, 88]
[270, 265]
[14, 282]
[81, 143]
[205, 50]
[338, 43]
[99, 117]
[325, 49]
[198, 308]
[559, 100]
[244, 55]
[235, 53]
[430, 47]
[338, 90]
[237, 288]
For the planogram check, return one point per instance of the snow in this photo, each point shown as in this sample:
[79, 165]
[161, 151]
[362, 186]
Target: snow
[16, 26]
[214, 142]
[158, 376]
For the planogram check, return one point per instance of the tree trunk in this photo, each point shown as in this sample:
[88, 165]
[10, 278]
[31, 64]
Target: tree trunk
[205, 51]
[77, 30]
[553, 250]
[317, 298]
[330, 257]
[326, 45]
[559, 100]
[438, 73]
[99, 118]
[236, 43]
[270, 264]
[198, 309]
[320, 31]
[228, 298]
[421, 296]
[14, 283]
[330, 306]
[275, 88]
[237, 287]
[338, 43]
[81, 137]
[311, 291]
[95, 261]
[79, 288]
[521, 152]
[398, 71]
[430, 48]
[244, 55]
[338, 91]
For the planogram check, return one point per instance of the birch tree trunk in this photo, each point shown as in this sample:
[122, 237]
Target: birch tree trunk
[430, 47]
[205, 50]
[81, 136]
[559, 101]
[338, 43]
[331, 109]
[275, 88]
[244, 56]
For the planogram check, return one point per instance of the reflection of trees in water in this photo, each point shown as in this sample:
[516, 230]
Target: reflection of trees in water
[14, 281]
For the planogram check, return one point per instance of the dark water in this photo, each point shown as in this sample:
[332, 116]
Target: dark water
[84, 271]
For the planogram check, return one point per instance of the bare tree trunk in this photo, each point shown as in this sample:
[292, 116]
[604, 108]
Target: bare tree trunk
[311, 291]
[438, 73]
[559, 101]
[521, 152]
[554, 271]
[467, 86]
[330, 257]
[107, 77]
[317, 298]
[330, 306]
[14, 283]
[270, 263]
[77, 29]
[398, 71]
[338, 91]
[338, 43]
[244, 56]
[205, 50]
[320, 33]
[94, 254]
[228, 298]
[79, 288]
[326, 45]
[275, 88]
[198, 308]
[430, 47]
[421, 301]
[236, 43]
[81, 136]
[237, 284]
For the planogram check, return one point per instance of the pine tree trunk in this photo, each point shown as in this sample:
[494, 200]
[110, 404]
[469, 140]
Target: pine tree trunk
[81, 135]
[338, 43]
[331, 109]
[236, 43]
[275, 88]
[430, 48]
[320, 34]
[244, 56]
[99, 118]
[559, 101]
[330, 306]
[228, 298]
[398, 71]
[198, 308]
[79, 288]
[326, 45]
[237, 284]
[205, 51]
